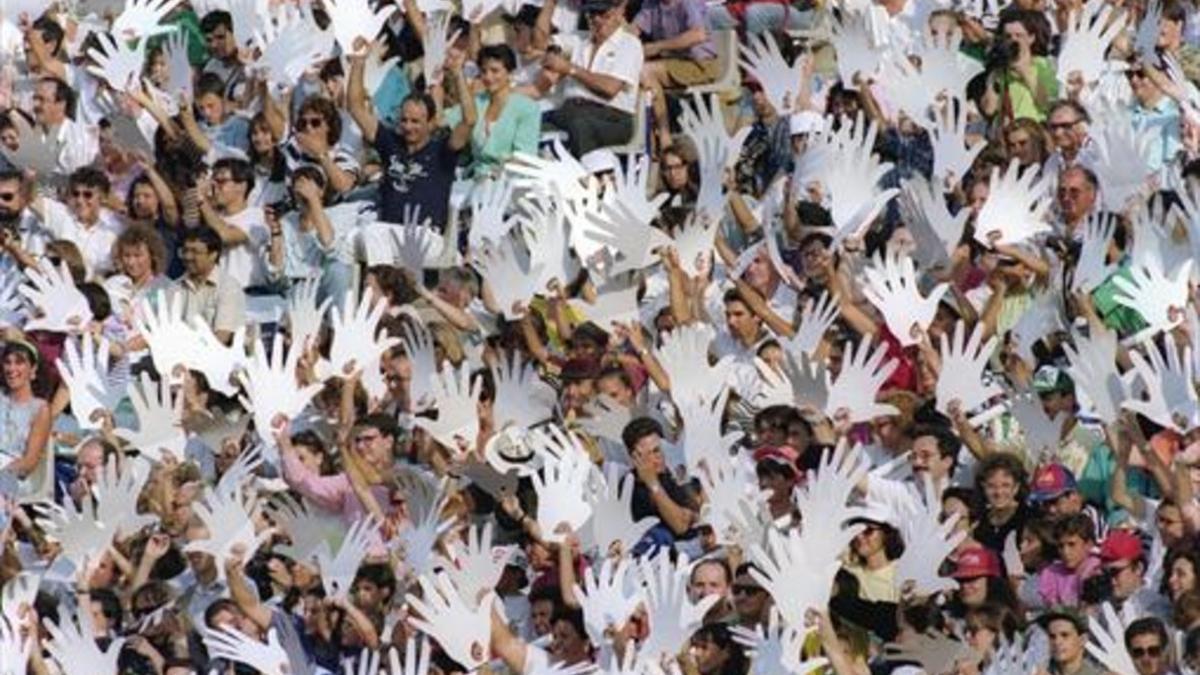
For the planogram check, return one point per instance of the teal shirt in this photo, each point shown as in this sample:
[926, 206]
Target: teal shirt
[516, 130]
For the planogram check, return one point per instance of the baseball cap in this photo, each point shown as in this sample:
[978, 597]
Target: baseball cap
[782, 455]
[805, 122]
[1052, 379]
[1051, 481]
[975, 562]
[1121, 545]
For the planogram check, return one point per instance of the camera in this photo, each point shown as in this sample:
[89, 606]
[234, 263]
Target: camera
[1003, 53]
[1097, 589]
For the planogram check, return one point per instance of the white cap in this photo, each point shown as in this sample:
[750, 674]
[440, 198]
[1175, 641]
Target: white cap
[805, 122]
[599, 161]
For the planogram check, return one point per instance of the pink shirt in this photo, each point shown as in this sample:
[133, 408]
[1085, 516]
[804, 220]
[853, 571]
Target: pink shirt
[1058, 585]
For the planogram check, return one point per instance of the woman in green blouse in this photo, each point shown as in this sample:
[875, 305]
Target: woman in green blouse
[506, 122]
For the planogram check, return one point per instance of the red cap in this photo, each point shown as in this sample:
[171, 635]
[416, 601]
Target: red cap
[784, 455]
[1051, 481]
[1121, 545]
[977, 562]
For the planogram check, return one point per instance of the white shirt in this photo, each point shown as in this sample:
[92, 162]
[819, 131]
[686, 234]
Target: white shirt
[80, 145]
[95, 241]
[246, 263]
[621, 57]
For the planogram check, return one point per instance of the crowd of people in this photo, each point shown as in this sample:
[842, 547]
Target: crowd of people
[617, 336]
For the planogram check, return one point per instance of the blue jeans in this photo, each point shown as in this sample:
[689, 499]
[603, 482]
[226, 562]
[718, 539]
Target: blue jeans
[762, 18]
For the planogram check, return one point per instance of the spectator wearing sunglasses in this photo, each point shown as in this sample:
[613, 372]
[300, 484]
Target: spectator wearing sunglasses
[1146, 640]
[83, 219]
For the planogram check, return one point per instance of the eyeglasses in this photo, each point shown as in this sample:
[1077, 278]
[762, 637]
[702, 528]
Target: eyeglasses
[1142, 652]
[83, 194]
[1062, 126]
[745, 589]
[309, 123]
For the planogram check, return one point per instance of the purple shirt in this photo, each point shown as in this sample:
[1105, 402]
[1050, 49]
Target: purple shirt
[665, 19]
[1058, 585]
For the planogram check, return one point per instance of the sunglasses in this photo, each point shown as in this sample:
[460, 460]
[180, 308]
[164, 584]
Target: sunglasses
[1141, 652]
[85, 194]
[743, 589]
[309, 123]
[7, 196]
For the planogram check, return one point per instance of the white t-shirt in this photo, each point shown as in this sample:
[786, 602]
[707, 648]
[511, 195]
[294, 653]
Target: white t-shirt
[95, 242]
[246, 263]
[621, 57]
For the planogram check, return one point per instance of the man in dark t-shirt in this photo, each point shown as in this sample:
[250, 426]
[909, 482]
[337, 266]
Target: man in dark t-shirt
[418, 158]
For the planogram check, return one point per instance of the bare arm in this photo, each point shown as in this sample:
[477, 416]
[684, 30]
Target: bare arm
[35, 445]
[357, 100]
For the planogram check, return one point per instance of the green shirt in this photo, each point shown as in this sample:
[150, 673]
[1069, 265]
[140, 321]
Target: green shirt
[517, 129]
[1124, 320]
[1020, 97]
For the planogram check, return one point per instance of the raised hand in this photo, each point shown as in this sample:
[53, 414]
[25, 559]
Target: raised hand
[964, 360]
[673, 616]
[271, 385]
[338, 571]
[230, 524]
[1171, 398]
[356, 340]
[612, 517]
[951, 156]
[35, 151]
[510, 275]
[522, 397]
[437, 45]
[117, 63]
[609, 596]
[234, 645]
[1093, 366]
[1093, 267]
[86, 374]
[143, 19]
[455, 399]
[160, 419]
[892, 287]
[352, 20]
[116, 494]
[73, 645]
[463, 633]
[859, 381]
[1090, 32]
[304, 315]
[780, 82]
[477, 567]
[1016, 207]
[169, 338]
[52, 292]
[490, 200]
[928, 541]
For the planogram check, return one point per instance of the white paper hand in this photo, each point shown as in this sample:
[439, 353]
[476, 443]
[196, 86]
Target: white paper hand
[1015, 209]
[1042, 434]
[776, 647]
[271, 385]
[52, 292]
[512, 277]
[1089, 34]
[951, 156]
[83, 538]
[338, 572]
[852, 179]
[964, 361]
[455, 398]
[418, 346]
[1122, 161]
[815, 320]
[143, 19]
[612, 518]
[217, 361]
[1093, 266]
[355, 334]
[781, 83]
[230, 525]
[683, 354]
[304, 316]
[418, 543]
[672, 615]
[726, 489]
[418, 246]
[436, 46]
[705, 124]
[310, 528]
[928, 541]
[562, 498]
[609, 596]
[945, 70]
[116, 494]
[117, 63]
[1160, 298]
[1146, 40]
[169, 338]
[233, 645]
[15, 648]
[354, 19]
[1107, 645]
[289, 47]
[490, 200]
[859, 381]
[1171, 396]
[522, 397]
[1094, 368]
[702, 440]
[561, 172]
[179, 69]
[1041, 318]
[463, 633]
[477, 568]
[892, 288]
[240, 473]
[73, 645]
[160, 419]
[934, 229]
[35, 151]
[856, 55]
[86, 372]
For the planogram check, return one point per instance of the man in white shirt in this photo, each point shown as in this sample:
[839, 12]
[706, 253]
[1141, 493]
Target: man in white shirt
[52, 101]
[599, 82]
[83, 220]
[242, 228]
